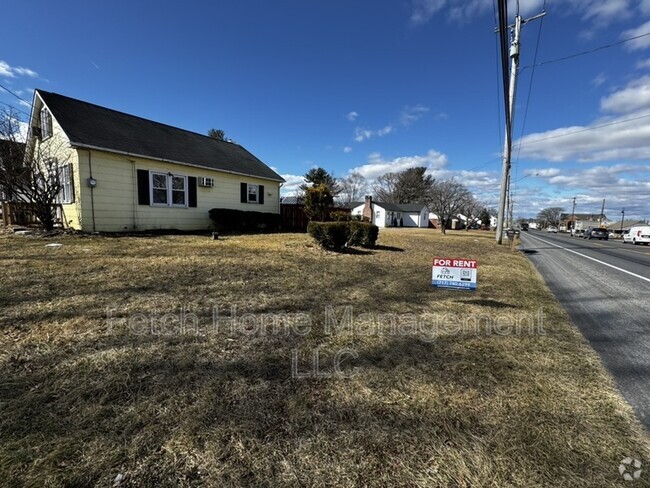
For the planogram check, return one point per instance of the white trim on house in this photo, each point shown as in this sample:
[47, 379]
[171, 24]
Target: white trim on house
[169, 188]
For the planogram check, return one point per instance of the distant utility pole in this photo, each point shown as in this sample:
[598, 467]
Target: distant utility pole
[573, 215]
[602, 211]
[515, 32]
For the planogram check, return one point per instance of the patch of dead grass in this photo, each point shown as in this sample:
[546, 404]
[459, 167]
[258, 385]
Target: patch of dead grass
[83, 398]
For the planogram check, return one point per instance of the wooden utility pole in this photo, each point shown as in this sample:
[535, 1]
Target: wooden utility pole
[602, 211]
[515, 31]
[573, 216]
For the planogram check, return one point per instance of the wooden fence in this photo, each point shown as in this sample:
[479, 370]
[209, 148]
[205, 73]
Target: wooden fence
[294, 219]
[22, 213]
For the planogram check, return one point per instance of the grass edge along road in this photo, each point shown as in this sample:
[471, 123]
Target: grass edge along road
[101, 377]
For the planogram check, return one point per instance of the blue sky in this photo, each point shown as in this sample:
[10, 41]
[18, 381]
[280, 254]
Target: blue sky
[365, 85]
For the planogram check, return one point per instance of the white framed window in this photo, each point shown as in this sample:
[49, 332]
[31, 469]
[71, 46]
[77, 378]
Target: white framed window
[66, 194]
[253, 193]
[168, 190]
[46, 123]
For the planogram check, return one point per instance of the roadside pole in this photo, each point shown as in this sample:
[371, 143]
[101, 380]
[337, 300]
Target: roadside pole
[507, 149]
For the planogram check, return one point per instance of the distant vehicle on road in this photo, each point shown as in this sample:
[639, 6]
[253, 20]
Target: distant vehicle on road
[552, 229]
[596, 233]
[638, 235]
[524, 226]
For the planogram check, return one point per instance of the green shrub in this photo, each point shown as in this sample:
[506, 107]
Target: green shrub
[340, 215]
[336, 235]
[363, 234]
[330, 235]
[318, 202]
[230, 220]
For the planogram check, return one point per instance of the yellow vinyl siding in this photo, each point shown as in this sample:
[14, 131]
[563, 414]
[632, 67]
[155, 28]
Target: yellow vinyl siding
[116, 199]
[58, 145]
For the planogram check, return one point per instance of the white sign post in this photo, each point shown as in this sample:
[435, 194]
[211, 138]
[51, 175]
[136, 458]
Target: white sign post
[458, 274]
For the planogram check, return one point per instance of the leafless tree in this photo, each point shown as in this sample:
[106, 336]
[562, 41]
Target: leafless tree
[36, 175]
[385, 188]
[447, 199]
[353, 187]
[472, 209]
[550, 216]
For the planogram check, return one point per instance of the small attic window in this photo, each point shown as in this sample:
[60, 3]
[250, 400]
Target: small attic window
[46, 123]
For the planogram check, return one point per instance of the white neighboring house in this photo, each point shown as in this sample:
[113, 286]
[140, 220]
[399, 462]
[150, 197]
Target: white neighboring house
[392, 214]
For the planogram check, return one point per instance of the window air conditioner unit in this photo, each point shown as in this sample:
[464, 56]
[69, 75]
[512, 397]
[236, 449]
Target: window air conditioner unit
[206, 182]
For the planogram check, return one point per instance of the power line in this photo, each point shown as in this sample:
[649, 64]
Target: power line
[12, 93]
[586, 129]
[589, 51]
[496, 57]
[15, 108]
[505, 69]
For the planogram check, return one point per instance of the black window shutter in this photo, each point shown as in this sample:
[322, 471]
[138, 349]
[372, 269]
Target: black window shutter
[191, 196]
[143, 187]
[244, 193]
[260, 194]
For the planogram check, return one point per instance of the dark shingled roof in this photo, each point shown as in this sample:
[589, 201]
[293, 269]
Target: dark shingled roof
[87, 124]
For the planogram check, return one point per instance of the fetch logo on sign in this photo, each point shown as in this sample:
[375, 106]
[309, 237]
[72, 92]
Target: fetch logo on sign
[459, 274]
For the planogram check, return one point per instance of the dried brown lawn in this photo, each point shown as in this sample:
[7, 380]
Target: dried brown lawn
[95, 381]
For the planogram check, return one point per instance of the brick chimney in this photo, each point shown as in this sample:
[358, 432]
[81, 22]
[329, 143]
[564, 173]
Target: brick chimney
[367, 209]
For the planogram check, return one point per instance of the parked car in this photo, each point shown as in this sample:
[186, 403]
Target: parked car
[638, 235]
[596, 233]
[552, 229]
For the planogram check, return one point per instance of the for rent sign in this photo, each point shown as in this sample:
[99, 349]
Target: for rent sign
[459, 274]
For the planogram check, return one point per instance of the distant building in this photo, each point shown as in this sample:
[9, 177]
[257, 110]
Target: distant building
[581, 221]
[391, 214]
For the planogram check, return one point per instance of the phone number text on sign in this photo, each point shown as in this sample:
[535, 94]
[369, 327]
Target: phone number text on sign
[454, 273]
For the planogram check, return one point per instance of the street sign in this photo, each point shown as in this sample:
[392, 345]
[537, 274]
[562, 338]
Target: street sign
[458, 274]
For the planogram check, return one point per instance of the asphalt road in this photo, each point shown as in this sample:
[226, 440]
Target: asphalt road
[605, 288]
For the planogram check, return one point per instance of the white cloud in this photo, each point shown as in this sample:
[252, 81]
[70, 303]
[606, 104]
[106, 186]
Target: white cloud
[603, 11]
[623, 136]
[361, 135]
[347, 149]
[544, 173]
[385, 131]
[643, 64]
[9, 71]
[635, 96]
[464, 10]
[410, 115]
[352, 116]
[598, 12]
[5, 70]
[292, 184]
[642, 42]
[644, 6]
[377, 166]
[622, 185]
[599, 80]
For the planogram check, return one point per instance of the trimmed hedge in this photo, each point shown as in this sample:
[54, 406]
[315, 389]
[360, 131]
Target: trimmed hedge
[337, 235]
[230, 220]
[363, 233]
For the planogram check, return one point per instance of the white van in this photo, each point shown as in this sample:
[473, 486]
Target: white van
[638, 235]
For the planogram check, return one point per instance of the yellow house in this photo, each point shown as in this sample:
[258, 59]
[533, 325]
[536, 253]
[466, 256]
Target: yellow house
[121, 173]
